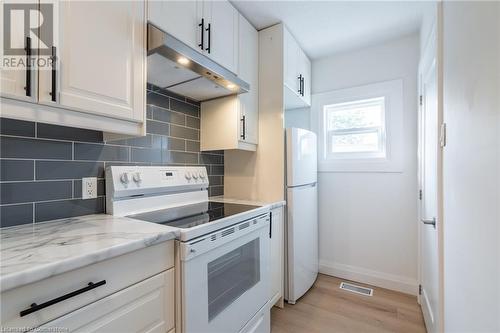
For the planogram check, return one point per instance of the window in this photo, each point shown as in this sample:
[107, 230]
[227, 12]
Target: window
[360, 129]
[355, 129]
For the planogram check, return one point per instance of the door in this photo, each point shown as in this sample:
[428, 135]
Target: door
[248, 69]
[305, 70]
[291, 49]
[100, 65]
[225, 277]
[302, 232]
[301, 157]
[181, 19]
[276, 255]
[21, 81]
[429, 226]
[222, 34]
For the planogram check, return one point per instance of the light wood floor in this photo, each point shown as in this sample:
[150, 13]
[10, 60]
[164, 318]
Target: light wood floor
[327, 308]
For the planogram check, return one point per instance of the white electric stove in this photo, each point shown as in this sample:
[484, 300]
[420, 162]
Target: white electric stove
[223, 247]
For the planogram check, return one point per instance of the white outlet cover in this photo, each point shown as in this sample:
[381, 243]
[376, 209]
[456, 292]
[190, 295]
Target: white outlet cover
[89, 187]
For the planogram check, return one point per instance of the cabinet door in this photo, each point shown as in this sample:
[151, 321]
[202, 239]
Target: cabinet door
[222, 37]
[101, 56]
[181, 19]
[15, 82]
[249, 71]
[147, 306]
[291, 71]
[305, 70]
[277, 254]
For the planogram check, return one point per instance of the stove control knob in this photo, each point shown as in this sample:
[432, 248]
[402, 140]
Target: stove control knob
[124, 178]
[195, 175]
[137, 177]
[202, 175]
[187, 175]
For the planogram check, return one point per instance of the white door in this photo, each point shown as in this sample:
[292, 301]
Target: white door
[305, 71]
[302, 233]
[181, 19]
[301, 157]
[248, 70]
[430, 151]
[20, 82]
[291, 50]
[100, 65]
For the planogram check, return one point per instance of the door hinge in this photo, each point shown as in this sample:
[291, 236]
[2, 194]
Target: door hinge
[421, 100]
[419, 194]
[442, 135]
[420, 289]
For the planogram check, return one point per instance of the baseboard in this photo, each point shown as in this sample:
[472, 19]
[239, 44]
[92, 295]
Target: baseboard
[375, 278]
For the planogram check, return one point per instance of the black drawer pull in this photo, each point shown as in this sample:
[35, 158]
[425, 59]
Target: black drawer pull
[35, 307]
[28, 66]
[54, 74]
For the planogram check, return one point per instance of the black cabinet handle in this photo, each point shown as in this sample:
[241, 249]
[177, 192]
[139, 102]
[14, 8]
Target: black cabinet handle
[202, 30]
[209, 29]
[36, 307]
[244, 134]
[270, 224]
[28, 66]
[300, 84]
[54, 73]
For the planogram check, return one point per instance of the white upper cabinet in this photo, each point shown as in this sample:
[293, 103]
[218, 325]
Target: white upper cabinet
[97, 79]
[249, 72]
[100, 65]
[297, 74]
[208, 26]
[181, 19]
[222, 33]
[233, 122]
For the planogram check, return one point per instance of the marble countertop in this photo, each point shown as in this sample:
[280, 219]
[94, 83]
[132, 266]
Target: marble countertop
[32, 252]
[271, 205]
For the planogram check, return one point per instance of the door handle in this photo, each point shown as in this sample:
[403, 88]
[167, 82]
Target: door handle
[202, 29]
[54, 74]
[28, 66]
[300, 84]
[209, 30]
[430, 222]
[244, 133]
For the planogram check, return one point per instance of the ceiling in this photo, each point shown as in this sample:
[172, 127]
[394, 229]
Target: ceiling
[323, 28]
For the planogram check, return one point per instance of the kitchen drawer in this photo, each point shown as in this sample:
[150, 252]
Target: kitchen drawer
[147, 306]
[119, 273]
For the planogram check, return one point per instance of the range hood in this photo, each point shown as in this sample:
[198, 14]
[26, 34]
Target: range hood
[175, 66]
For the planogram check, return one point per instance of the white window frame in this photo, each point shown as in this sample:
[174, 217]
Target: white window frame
[380, 130]
[392, 160]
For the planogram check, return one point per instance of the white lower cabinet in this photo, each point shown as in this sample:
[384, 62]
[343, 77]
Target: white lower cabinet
[129, 293]
[147, 306]
[277, 256]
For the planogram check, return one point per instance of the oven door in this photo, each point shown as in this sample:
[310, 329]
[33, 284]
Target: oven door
[225, 277]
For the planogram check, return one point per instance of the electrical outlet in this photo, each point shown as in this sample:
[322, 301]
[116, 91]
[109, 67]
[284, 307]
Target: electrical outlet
[89, 188]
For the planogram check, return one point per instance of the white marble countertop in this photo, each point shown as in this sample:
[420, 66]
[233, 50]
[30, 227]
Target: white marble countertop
[271, 205]
[32, 252]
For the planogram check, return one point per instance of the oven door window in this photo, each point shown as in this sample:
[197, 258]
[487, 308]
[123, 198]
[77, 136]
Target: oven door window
[231, 275]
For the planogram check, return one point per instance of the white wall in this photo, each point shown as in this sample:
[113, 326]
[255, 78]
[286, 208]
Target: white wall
[471, 166]
[368, 221]
[300, 118]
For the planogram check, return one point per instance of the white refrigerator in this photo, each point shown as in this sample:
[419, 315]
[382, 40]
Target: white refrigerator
[302, 213]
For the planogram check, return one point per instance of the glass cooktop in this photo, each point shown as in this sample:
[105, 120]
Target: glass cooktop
[189, 216]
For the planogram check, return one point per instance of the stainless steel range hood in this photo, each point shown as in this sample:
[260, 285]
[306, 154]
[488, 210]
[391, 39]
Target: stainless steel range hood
[174, 66]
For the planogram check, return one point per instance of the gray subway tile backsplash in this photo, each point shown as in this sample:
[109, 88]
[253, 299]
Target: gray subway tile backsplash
[42, 164]
[24, 192]
[17, 127]
[12, 215]
[17, 147]
[16, 170]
